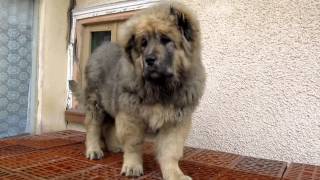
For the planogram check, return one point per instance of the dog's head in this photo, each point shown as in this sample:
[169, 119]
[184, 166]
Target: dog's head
[161, 41]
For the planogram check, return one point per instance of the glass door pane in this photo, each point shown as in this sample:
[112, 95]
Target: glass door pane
[98, 37]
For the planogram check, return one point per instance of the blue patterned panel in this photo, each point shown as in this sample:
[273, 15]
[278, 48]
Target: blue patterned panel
[16, 20]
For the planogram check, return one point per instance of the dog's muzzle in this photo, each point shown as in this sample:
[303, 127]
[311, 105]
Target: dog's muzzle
[154, 71]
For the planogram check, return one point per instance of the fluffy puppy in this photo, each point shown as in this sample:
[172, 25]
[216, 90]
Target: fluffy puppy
[151, 82]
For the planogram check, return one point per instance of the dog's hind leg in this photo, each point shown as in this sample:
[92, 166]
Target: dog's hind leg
[130, 132]
[111, 141]
[169, 147]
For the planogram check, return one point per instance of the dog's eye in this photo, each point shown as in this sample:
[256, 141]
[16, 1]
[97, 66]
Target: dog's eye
[144, 42]
[165, 39]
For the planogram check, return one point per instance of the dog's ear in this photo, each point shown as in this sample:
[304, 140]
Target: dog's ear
[127, 39]
[184, 24]
[129, 47]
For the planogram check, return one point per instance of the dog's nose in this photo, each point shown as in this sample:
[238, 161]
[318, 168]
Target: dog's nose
[150, 60]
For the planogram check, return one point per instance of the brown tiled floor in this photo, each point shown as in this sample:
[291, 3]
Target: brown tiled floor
[60, 155]
[302, 171]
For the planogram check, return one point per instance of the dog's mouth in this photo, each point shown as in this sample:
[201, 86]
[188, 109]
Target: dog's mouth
[154, 75]
[157, 76]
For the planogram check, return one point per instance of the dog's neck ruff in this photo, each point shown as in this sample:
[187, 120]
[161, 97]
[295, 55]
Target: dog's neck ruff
[163, 93]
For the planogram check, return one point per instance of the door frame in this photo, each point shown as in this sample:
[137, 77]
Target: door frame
[32, 116]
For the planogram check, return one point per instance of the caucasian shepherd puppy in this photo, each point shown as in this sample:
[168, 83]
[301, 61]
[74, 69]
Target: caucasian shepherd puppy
[149, 83]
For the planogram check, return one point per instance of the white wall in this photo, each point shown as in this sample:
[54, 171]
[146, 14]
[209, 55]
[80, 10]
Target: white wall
[89, 3]
[263, 78]
[52, 73]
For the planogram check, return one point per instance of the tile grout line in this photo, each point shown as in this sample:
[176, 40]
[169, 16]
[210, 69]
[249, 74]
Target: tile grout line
[285, 170]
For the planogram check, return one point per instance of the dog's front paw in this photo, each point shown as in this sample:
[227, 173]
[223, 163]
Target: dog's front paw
[132, 169]
[94, 154]
[184, 177]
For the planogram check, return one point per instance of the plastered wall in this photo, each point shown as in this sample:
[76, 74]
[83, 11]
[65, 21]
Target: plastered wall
[52, 57]
[89, 3]
[263, 78]
[263, 66]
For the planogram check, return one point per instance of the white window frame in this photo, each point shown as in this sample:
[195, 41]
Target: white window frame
[106, 9]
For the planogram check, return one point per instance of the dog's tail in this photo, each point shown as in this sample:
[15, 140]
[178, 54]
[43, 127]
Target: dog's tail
[76, 91]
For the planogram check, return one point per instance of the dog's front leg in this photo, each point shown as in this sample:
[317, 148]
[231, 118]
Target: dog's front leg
[93, 123]
[130, 132]
[169, 146]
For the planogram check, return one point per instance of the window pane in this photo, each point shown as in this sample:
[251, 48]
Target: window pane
[97, 38]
